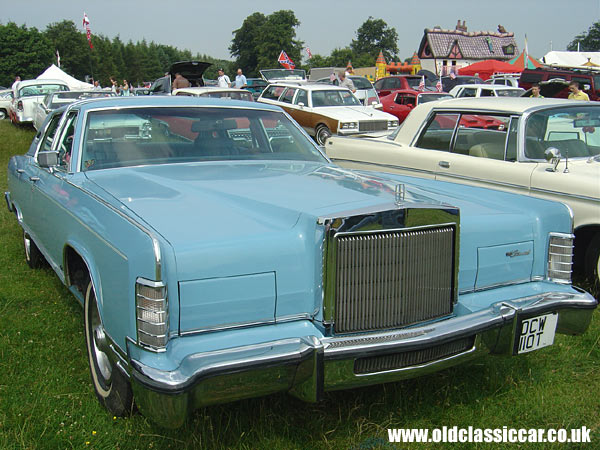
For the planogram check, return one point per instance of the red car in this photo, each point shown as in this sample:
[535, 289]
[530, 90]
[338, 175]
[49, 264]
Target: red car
[400, 103]
[386, 85]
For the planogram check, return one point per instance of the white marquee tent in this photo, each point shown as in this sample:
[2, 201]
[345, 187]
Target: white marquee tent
[572, 59]
[56, 73]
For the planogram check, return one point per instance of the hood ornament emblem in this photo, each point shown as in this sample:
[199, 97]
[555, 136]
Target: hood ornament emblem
[399, 193]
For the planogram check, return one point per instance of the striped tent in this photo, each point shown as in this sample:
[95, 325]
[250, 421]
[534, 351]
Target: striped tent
[519, 62]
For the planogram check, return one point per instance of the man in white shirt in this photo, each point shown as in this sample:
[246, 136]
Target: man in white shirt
[223, 79]
[240, 80]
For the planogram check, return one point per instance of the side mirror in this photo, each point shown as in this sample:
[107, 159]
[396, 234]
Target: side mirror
[301, 105]
[586, 87]
[377, 105]
[552, 155]
[47, 159]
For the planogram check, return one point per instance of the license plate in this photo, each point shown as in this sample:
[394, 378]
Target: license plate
[536, 332]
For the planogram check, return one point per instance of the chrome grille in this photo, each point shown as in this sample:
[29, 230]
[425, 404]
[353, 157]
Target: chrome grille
[412, 358]
[373, 125]
[393, 278]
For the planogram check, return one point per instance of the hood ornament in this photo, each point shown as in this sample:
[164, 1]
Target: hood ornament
[399, 193]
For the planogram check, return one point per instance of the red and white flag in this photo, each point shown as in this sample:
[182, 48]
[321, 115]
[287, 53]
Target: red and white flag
[422, 83]
[57, 58]
[285, 61]
[438, 85]
[88, 32]
[308, 52]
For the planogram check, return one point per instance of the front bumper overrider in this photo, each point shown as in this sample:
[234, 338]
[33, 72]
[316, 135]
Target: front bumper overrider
[306, 366]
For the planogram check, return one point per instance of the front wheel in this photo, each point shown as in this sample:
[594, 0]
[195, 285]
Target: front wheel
[2, 114]
[592, 259]
[112, 388]
[33, 256]
[322, 133]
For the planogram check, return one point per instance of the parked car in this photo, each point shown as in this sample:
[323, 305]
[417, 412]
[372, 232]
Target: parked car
[442, 141]
[589, 80]
[504, 79]
[278, 75]
[449, 81]
[140, 91]
[242, 262]
[485, 90]
[401, 103]
[365, 91]
[61, 98]
[6, 96]
[386, 85]
[216, 92]
[28, 94]
[191, 70]
[255, 86]
[323, 110]
[551, 89]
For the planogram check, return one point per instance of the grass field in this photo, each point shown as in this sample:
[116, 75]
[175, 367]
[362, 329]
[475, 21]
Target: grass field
[47, 400]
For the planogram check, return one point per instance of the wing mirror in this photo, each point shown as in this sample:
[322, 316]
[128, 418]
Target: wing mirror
[552, 155]
[301, 105]
[376, 105]
[47, 159]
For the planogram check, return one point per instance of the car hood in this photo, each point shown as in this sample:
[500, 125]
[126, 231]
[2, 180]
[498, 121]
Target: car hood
[351, 113]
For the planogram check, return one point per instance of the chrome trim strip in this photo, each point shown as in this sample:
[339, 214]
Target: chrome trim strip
[563, 194]
[503, 284]
[389, 166]
[7, 198]
[231, 326]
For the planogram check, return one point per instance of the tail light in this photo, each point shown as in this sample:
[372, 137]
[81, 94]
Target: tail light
[560, 257]
[19, 105]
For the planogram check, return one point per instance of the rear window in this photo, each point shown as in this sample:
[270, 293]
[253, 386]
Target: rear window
[531, 77]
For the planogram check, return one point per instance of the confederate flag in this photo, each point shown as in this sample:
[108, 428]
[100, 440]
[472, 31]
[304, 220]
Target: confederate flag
[285, 61]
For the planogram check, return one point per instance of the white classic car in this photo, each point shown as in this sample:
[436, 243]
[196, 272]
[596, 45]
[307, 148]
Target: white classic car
[5, 101]
[485, 90]
[548, 148]
[216, 92]
[323, 110]
[28, 93]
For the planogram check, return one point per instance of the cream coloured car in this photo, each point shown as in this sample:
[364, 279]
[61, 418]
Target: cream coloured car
[215, 92]
[548, 148]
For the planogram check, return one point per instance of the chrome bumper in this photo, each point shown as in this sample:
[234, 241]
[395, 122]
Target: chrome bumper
[8, 202]
[309, 365]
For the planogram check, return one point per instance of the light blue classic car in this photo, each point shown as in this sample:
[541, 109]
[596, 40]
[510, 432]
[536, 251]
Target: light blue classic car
[219, 255]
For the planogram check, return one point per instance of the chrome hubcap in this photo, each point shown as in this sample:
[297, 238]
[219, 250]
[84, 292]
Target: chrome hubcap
[27, 245]
[99, 344]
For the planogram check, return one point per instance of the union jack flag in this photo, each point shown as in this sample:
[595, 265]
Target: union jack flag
[285, 61]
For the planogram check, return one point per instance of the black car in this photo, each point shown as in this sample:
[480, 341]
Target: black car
[448, 82]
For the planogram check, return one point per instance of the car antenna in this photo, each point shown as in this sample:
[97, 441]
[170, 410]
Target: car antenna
[566, 161]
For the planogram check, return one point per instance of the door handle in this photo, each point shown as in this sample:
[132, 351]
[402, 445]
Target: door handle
[444, 164]
[20, 170]
[34, 179]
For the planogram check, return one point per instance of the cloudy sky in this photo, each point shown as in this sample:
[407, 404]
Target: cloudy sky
[206, 27]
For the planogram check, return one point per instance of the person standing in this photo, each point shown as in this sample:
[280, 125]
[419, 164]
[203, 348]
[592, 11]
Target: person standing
[97, 85]
[114, 87]
[125, 91]
[535, 91]
[240, 80]
[576, 94]
[223, 80]
[346, 81]
[179, 82]
[16, 83]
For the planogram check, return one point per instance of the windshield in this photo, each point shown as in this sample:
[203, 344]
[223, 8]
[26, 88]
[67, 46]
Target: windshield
[41, 89]
[414, 82]
[334, 98]
[573, 131]
[424, 98]
[361, 83]
[140, 136]
[230, 95]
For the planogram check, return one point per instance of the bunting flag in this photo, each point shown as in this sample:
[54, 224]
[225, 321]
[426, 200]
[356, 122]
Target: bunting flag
[422, 83]
[88, 32]
[308, 52]
[285, 61]
[57, 58]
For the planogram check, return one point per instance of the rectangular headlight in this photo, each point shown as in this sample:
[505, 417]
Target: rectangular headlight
[560, 257]
[151, 306]
[348, 125]
[392, 123]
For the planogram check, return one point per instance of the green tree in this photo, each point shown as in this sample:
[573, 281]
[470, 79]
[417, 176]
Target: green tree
[374, 36]
[24, 52]
[589, 41]
[75, 53]
[258, 42]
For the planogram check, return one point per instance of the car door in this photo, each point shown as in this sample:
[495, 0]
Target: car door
[402, 105]
[484, 153]
[49, 192]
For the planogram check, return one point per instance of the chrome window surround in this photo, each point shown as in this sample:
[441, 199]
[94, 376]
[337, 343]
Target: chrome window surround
[152, 334]
[386, 218]
[560, 257]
